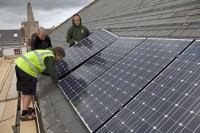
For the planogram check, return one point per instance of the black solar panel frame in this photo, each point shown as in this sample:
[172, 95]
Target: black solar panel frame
[129, 100]
[138, 40]
[62, 70]
[158, 81]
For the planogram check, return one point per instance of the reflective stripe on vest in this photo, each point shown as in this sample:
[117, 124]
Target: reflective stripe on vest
[31, 64]
[39, 59]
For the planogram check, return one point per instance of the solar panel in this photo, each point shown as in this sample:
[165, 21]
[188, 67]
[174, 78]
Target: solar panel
[107, 94]
[171, 103]
[93, 68]
[84, 50]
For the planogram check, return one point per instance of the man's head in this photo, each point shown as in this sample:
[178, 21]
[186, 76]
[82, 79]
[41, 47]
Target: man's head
[60, 53]
[76, 20]
[41, 33]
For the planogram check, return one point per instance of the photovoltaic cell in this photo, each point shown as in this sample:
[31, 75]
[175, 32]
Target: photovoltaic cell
[170, 104]
[93, 68]
[108, 93]
[84, 50]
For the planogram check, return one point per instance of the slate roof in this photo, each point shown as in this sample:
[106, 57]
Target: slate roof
[8, 36]
[141, 18]
[57, 114]
[125, 18]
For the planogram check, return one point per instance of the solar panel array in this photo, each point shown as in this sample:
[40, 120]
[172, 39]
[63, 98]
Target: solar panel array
[134, 85]
[113, 89]
[93, 68]
[84, 50]
[170, 104]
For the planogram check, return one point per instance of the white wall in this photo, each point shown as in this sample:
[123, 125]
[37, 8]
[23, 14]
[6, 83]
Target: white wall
[24, 50]
[10, 51]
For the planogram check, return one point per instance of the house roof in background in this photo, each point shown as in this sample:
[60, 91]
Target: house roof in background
[10, 36]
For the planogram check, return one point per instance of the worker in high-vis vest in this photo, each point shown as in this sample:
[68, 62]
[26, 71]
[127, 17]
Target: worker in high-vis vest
[28, 67]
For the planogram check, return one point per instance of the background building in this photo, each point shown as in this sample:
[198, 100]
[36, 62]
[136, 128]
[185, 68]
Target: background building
[11, 42]
[29, 27]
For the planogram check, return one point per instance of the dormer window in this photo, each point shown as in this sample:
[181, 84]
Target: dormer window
[15, 35]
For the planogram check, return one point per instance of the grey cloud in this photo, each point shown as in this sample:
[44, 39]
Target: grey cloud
[13, 12]
[44, 4]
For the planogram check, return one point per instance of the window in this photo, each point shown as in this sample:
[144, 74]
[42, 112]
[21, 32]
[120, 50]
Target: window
[15, 35]
[17, 51]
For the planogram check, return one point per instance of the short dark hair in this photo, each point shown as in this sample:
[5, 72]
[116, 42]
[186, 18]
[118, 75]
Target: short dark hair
[76, 15]
[59, 50]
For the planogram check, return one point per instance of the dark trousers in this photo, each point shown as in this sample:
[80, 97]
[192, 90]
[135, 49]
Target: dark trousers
[25, 82]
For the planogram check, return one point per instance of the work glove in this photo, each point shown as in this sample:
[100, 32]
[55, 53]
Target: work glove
[76, 42]
[59, 81]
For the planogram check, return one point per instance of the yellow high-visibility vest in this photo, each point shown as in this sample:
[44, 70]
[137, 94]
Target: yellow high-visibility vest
[33, 62]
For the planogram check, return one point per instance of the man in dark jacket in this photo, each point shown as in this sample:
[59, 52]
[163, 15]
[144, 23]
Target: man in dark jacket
[77, 31]
[40, 40]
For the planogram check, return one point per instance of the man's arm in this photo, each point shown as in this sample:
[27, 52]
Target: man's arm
[33, 45]
[49, 42]
[87, 32]
[51, 69]
[69, 37]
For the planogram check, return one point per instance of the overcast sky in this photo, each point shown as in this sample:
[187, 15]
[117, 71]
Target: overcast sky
[47, 12]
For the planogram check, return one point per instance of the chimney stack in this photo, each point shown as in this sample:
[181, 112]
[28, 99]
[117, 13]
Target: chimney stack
[30, 17]
[30, 26]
